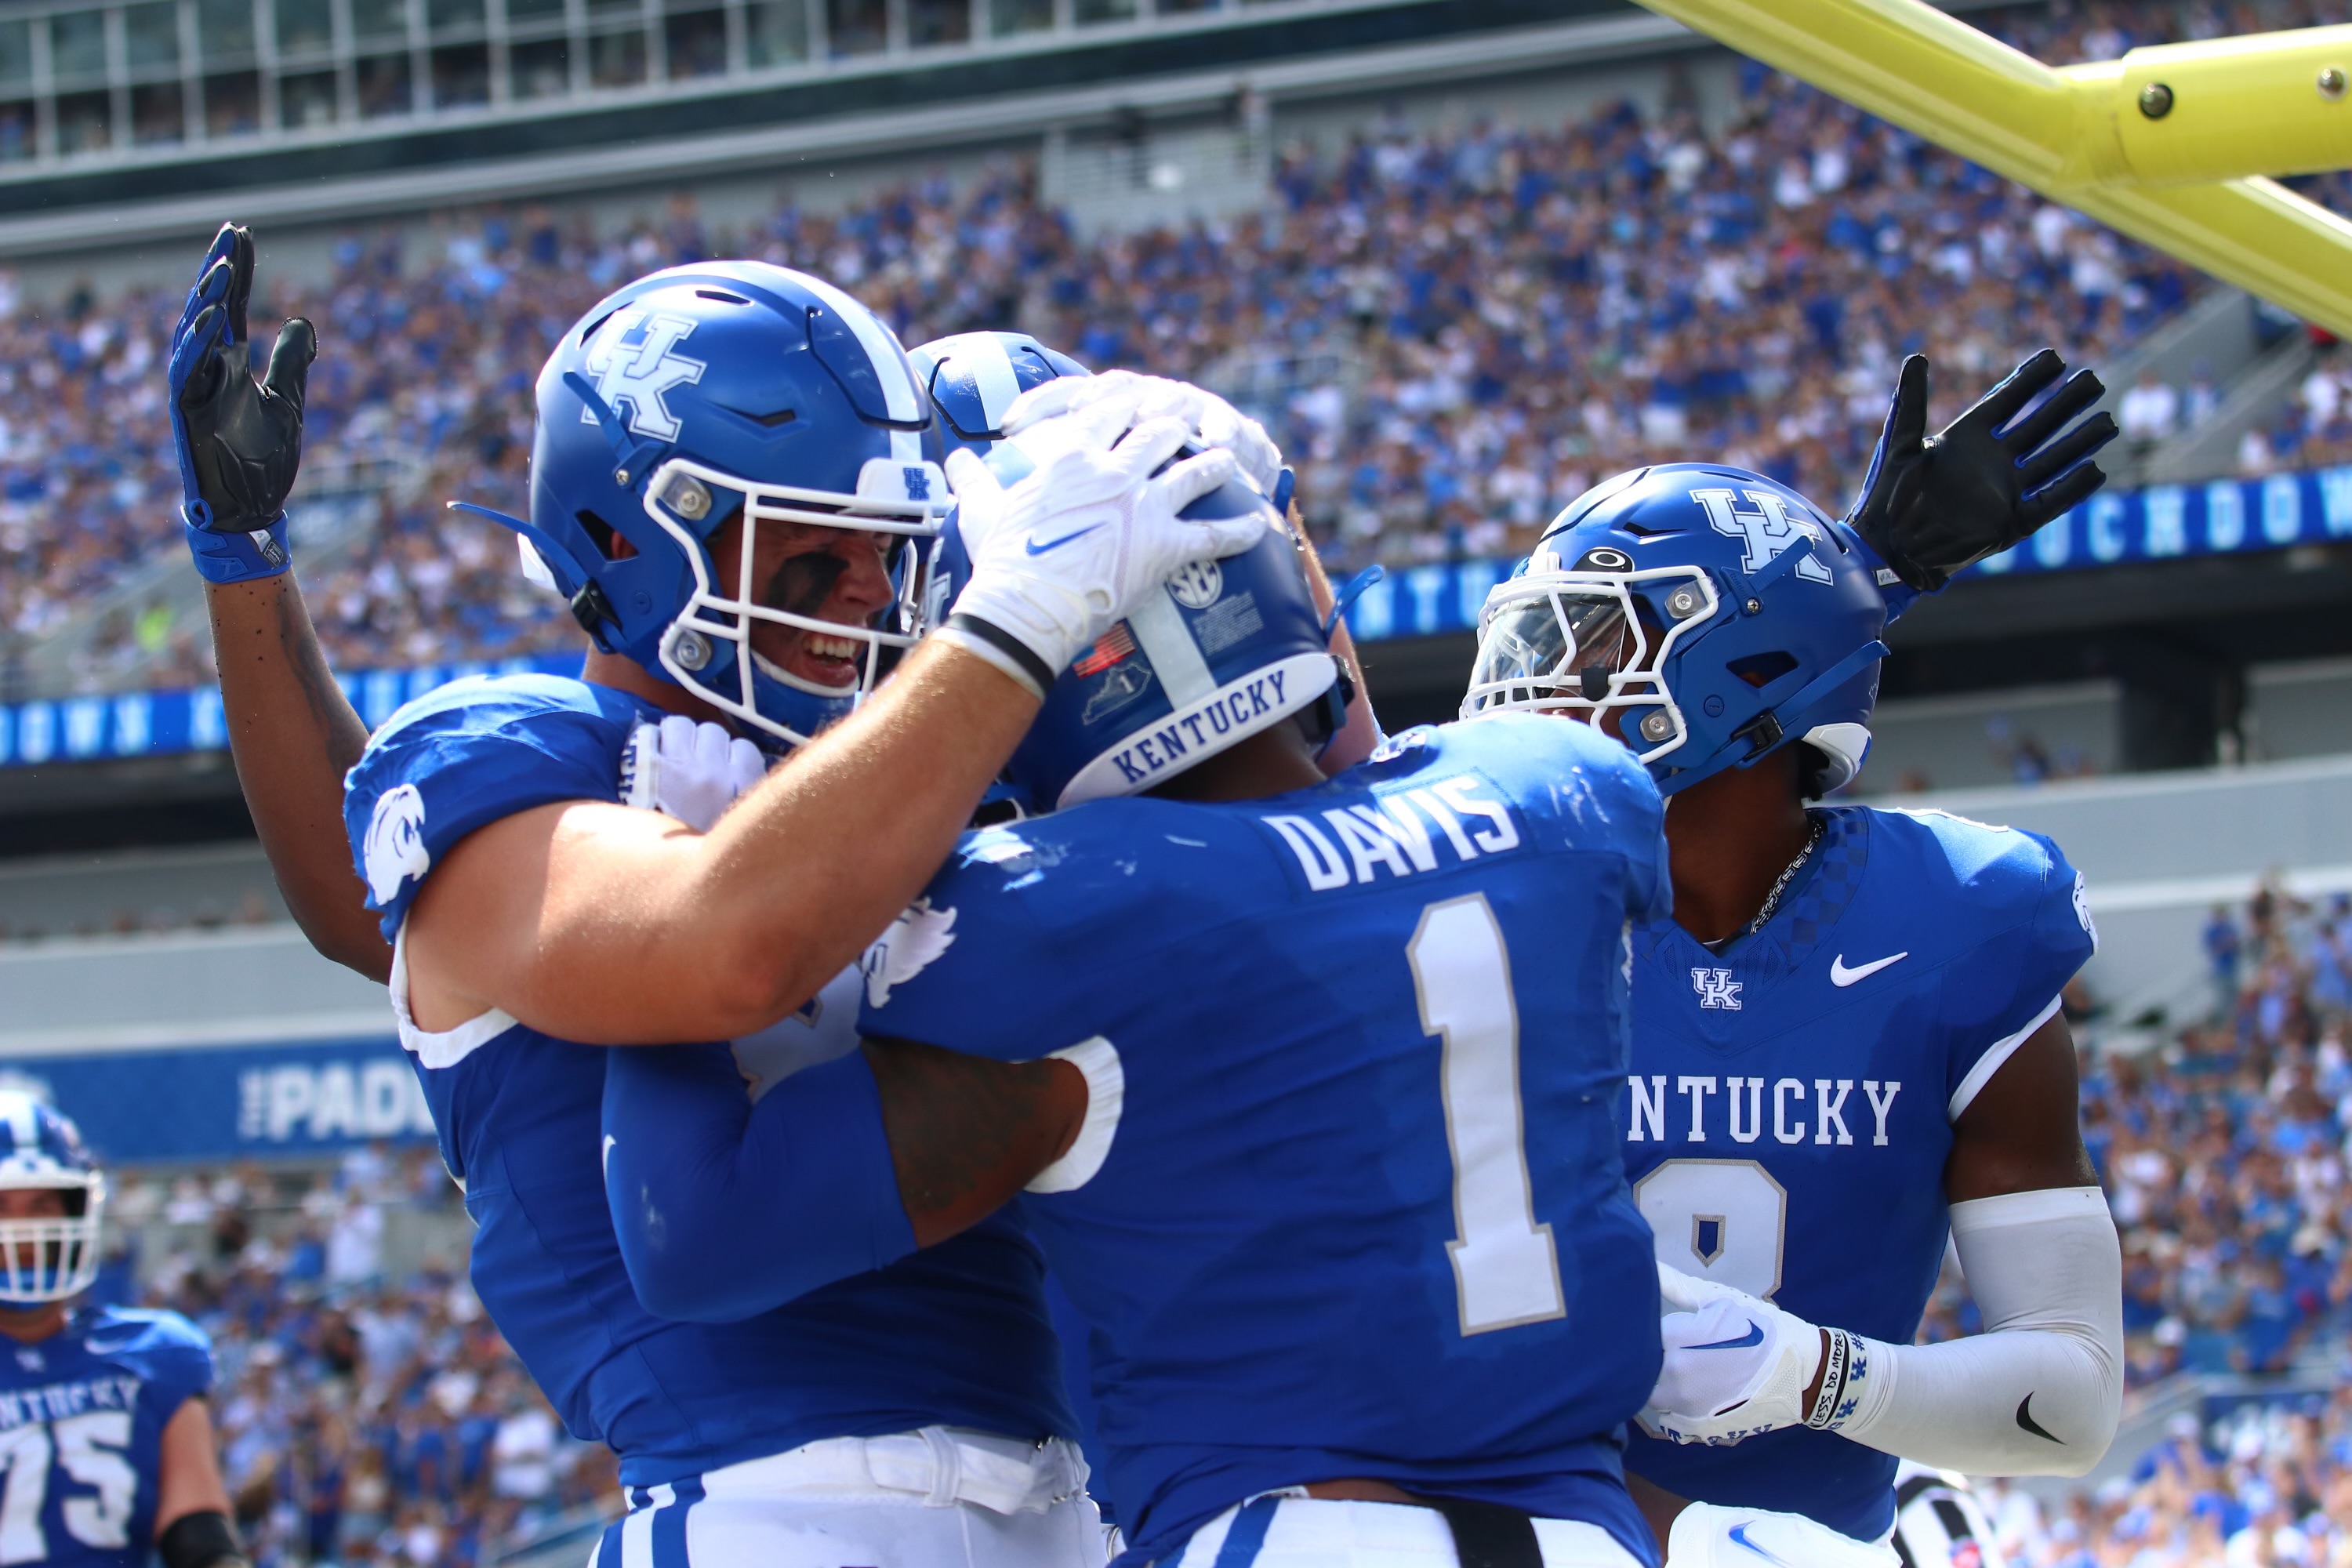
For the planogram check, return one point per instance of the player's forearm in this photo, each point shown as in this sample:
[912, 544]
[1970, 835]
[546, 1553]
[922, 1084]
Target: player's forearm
[2040, 1391]
[967, 1133]
[796, 881]
[725, 1209]
[294, 735]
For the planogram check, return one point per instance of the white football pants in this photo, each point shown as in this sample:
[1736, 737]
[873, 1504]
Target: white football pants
[1320, 1532]
[939, 1497]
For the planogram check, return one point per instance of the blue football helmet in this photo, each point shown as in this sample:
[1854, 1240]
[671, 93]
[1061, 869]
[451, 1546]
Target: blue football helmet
[703, 392]
[974, 377]
[1228, 648]
[48, 1257]
[1718, 613]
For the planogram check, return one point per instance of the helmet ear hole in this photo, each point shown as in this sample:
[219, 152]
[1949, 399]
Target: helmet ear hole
[1761, 669]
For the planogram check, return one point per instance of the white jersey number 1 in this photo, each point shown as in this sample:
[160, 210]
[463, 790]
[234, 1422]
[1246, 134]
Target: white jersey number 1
[1506, 1268]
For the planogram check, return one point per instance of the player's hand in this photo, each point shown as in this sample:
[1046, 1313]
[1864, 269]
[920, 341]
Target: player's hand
[1216, 423]
[240, 443]
[1735, 1366]
[689, 771]
[1059, 557]
[1933, 504]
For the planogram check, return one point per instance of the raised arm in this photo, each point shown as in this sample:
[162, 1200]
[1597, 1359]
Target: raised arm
[1932, 505]
[726, 1208]
[292, 731]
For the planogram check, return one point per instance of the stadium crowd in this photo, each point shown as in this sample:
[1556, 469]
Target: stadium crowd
[368, 1411]
[2223, 1154]
[1452, 331]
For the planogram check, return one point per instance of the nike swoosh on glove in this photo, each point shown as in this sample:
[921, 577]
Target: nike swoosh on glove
[1216, 423]
[239, 442]
[1060, 556]
[692, 772]
[1735, 1366]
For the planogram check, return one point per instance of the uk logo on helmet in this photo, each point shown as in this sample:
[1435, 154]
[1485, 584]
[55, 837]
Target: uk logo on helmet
[634, 364]
[1766, 532]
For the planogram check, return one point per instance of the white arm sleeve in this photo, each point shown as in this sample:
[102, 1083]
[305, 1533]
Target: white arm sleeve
[2039, 1392]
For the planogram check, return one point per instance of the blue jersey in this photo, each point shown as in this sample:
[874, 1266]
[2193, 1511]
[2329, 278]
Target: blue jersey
[82, 1414]
[1792, 1099]
[956, 1335]
[1305, 1221]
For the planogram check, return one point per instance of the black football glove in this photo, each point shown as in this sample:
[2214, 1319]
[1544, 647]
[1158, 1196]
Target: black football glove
[240, 443]
[1933, 504]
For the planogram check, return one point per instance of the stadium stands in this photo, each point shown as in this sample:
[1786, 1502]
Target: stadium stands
[1453, 334]
[368, 1411]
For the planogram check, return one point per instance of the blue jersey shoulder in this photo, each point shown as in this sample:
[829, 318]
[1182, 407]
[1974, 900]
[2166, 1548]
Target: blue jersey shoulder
[1073, 902]
[466, 754]
[2011, 916]
[164, 1348]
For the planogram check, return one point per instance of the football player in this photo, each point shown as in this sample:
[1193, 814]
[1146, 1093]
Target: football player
[105, 1436]
[735, 485]
[1260, 1049]
[1847, 1041]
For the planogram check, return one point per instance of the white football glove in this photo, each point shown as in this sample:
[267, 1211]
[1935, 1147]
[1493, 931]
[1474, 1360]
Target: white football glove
[688, 771]
[1736, 1365]
[1706, 1536]
[1060, 556]
[1214, 422]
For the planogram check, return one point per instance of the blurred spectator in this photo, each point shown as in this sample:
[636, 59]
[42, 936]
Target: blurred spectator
[388, 1424]
[2150, 411]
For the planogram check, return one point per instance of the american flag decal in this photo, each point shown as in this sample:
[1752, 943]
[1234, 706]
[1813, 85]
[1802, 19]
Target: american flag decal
[1113, 646]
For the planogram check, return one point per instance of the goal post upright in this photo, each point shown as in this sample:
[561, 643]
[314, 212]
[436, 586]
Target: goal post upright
[2173, 145]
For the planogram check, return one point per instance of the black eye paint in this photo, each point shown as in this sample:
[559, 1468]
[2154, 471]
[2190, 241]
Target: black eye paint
[804, 583]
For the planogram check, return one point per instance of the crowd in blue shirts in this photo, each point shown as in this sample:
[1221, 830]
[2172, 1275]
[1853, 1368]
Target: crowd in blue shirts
[1453, 328]
[368, 1411]
[2222, 1147]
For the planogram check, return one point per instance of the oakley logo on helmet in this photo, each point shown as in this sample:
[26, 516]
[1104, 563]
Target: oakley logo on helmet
[1766, 532]
[633, 363]
[394, 850]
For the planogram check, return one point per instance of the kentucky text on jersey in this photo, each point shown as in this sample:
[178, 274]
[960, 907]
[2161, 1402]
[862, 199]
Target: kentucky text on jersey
[1353, 1206]
[956, 1335]
[56, 1400]
[1789, 1109]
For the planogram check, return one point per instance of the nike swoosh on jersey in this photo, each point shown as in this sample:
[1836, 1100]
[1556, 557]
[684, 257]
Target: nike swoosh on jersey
[1841, 975]
[1754, 1336]
[1034, 548]
[2025, 1420]
[1737, 1536]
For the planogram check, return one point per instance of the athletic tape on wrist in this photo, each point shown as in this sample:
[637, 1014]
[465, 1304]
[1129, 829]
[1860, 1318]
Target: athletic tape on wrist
[1833, 1375]
[1000, 649]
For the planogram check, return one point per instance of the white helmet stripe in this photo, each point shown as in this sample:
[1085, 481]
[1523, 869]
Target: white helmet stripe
[992, 375]
[900, 394]
[16, 1109]
[1167, 642]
